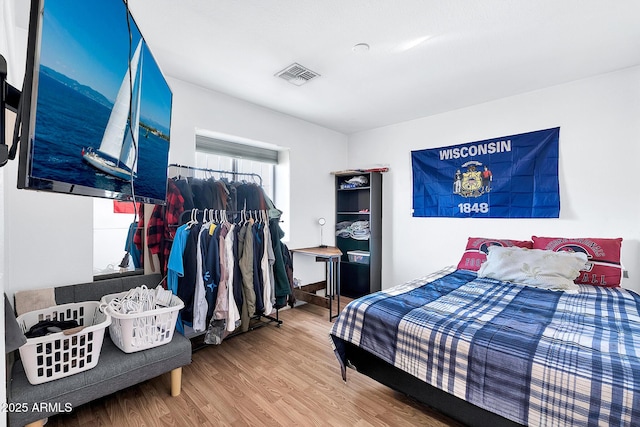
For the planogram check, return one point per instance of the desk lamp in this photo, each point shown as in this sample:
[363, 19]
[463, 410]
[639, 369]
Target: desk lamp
[322, 222]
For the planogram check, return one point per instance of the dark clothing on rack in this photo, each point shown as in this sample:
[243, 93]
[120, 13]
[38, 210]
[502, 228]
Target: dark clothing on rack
[250, 197]
[212, 271]
[185, 190]
[280, 274]
[207, 263]
[237, 274]
[288, 267]
[221, 196]
[232, 199]
[186, 284]
[197, 189]
[161, 228]
[210, 197]
[241, 196]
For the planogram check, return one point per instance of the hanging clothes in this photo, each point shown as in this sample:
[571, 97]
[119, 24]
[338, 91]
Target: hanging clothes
[258, 279]
[268, 260]
[246, 269]
[160, 230]
[224, 265]
[176, 267]
[137, 237]
[237, 273]
[186, 288]
[212, 270]
[233, 315]
[221, 309]
[131, 248]
[288, 267]
[200, 297]
[186, 193]
[282, 287]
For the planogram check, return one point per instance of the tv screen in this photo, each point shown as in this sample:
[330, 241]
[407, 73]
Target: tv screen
[96, 113]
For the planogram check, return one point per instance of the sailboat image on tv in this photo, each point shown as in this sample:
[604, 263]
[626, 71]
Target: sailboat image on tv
[117, 155]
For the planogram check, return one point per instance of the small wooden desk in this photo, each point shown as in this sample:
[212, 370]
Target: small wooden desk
[331, 285]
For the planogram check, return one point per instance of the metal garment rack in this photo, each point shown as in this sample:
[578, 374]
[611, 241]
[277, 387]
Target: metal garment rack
[257, 320]
[222, 172]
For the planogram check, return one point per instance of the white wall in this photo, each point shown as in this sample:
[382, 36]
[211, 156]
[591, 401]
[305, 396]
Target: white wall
[599, 121]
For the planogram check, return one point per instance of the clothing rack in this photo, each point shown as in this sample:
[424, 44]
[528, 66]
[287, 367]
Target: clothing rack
[257, 321]
[225, 172]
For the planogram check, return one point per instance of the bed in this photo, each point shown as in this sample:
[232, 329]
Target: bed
[491, 352]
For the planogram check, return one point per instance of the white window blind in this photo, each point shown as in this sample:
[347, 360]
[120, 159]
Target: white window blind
[220, 147]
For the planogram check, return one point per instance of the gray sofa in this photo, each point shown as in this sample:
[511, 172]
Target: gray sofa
[115, 371]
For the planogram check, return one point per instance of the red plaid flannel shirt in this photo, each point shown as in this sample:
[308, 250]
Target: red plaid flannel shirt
[163, 224]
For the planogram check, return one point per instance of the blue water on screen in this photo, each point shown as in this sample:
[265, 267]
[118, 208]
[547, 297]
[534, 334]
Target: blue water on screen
[68, 120]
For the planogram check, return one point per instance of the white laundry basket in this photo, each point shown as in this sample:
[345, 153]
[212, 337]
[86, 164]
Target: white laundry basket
[58, 355]
[140, 331]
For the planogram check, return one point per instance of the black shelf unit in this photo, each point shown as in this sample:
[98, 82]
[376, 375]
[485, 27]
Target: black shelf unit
[363, 203]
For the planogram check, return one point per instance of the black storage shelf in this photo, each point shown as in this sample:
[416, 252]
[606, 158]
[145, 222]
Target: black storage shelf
[358, 279]
[356, 263]
[353, 188]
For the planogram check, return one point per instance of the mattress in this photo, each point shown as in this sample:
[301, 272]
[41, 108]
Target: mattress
[534, 356]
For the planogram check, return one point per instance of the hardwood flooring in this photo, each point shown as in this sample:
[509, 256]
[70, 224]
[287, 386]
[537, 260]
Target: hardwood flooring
[286, 376]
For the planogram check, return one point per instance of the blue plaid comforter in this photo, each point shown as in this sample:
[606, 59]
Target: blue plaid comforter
[537, 357]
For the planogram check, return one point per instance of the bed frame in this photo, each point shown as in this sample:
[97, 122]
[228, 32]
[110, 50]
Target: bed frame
[448, 404]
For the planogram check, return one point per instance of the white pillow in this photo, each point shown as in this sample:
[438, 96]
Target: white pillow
[533, 267]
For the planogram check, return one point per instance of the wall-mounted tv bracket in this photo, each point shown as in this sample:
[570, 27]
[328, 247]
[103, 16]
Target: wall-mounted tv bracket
[9, 99]
[4, 150]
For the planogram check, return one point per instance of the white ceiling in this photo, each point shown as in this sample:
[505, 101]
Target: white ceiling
[475, 51]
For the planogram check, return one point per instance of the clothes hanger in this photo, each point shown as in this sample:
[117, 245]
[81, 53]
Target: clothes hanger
[193, 220]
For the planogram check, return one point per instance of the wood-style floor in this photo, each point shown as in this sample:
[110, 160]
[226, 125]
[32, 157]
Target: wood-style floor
[271, 376]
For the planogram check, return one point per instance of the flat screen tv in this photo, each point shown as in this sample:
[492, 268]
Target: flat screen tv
[96, 108]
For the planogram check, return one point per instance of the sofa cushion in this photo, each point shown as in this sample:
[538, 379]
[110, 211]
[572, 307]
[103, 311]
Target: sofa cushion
[95, 290]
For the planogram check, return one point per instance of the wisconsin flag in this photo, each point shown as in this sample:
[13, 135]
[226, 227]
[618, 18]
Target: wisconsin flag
[512, 176]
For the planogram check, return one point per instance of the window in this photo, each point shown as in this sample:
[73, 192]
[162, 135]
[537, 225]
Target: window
[212, 153]
[268, 161]
[266, 171]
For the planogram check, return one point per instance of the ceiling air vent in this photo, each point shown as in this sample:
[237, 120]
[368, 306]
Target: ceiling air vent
[297, 74]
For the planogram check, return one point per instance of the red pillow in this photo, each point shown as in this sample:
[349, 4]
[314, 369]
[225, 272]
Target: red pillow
[478, 247]
[603, 265]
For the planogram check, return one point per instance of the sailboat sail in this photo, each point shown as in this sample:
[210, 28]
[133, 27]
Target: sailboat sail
[128, 151]
[114, 143]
